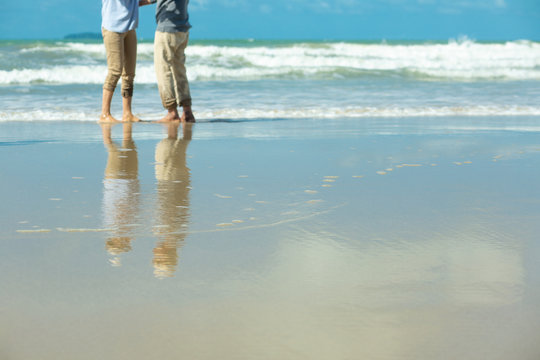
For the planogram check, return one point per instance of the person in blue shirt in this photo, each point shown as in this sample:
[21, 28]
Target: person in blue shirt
[171, 39]
[119, 21]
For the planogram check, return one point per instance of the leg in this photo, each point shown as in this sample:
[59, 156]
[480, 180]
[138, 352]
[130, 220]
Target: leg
[181, 81]
[187, 115]
[162, 63]
[106, 107]
[172, 115]
[114, 48]
[127, 115]
[128, 74]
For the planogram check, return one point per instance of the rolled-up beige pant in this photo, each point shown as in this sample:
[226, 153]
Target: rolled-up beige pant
[169, 59]
[121, 60]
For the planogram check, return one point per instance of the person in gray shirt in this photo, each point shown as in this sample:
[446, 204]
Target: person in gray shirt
[170, 42]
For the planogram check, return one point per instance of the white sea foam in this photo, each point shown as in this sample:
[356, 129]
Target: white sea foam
[69, 74]
[365, 112]
[292, 113]
[466, 60]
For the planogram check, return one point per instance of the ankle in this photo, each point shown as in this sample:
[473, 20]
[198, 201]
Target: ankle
[172, 112]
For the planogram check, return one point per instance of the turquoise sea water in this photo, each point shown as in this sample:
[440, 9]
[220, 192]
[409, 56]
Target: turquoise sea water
[251, 79]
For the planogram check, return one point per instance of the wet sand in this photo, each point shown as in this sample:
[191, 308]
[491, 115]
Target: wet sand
[335, 239]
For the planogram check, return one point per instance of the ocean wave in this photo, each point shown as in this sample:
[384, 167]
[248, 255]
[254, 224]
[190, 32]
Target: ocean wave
[63, 74]
[291, 113]
[97, 49]
[461, 61]
[145, 74]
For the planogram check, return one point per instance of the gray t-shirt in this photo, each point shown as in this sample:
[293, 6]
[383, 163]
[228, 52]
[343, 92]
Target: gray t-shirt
[172, 15]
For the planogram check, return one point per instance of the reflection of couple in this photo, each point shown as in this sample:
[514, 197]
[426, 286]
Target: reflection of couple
[119, 21]
[120, 191]
[121, 195]
[173, 186]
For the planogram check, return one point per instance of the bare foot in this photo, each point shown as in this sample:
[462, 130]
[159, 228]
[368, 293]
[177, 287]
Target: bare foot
[172, 115]
[187, 116]
[130, 118]
[107, 118]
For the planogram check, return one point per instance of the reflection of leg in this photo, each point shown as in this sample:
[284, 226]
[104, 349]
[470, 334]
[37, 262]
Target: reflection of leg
[172, 130]
[174, 215]
[163, 55]
[187, 131]
[106, 131]
[127, 132]
[118, 244]
[165, 258]
[114, 47]
[128, 74]
[181, 81]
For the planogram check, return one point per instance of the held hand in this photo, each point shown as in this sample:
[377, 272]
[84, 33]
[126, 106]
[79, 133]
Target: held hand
[144, 2]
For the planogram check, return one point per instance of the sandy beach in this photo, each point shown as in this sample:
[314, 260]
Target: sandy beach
[361, 182]
[271, 239]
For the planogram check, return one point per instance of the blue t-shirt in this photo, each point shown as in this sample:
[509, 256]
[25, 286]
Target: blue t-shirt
[119, 15]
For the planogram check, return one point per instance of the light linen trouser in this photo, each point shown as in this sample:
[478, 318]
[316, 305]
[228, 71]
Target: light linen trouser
[121, 60]
[169, 59]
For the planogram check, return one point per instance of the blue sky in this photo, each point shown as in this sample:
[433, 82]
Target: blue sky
[295, 19]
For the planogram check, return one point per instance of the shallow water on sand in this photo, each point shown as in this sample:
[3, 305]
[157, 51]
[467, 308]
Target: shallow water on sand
[270, 240]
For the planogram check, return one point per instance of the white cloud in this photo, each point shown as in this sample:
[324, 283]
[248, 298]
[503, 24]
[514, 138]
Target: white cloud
[198, 4]
[468, 4]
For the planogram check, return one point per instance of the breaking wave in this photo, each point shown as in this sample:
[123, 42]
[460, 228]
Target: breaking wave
[82, 63]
